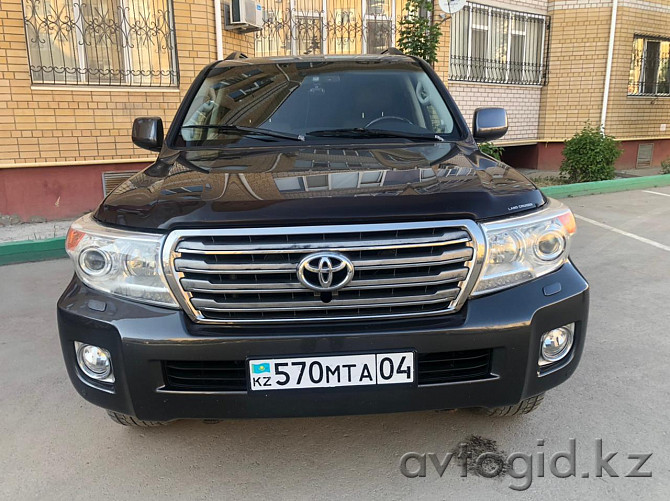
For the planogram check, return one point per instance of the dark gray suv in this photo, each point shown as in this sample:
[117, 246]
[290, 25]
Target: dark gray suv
[319, 236]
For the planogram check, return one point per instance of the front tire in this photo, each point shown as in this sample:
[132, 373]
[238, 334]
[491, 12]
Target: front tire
[126, 420]
[524, 407]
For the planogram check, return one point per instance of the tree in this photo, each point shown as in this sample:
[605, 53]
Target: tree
[418, 35]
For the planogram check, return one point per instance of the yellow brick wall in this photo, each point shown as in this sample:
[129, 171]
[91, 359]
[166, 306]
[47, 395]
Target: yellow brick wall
[42, 125]
[636, 117]
[577, 65]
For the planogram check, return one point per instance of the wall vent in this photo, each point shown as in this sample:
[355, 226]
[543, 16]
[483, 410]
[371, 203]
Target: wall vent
[110, 180]
[645, 152]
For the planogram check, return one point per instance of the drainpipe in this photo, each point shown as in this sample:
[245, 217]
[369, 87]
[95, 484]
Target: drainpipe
[218, 26]
[608, 73]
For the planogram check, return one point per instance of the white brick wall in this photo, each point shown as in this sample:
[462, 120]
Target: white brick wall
[578, 4]
[522, 103]
[661, 6]
[652, 6]
[531, 6]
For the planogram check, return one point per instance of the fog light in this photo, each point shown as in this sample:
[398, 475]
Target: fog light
[95, 362]
[556, 344]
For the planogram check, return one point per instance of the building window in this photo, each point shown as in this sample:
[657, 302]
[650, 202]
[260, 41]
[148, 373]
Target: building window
[309, 33]
[650, 67]
[379, 34]
[379, 22]
[497, 46]
[101, 42]
[344, 34]
[299, 27]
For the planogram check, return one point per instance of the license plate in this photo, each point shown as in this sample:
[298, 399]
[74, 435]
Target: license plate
[331, 371]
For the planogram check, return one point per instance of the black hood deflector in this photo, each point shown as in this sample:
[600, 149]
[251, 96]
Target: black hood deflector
[318, 185]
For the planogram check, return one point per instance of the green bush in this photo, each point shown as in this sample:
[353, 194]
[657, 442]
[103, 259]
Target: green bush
[665, 166]
[589, 156]
[492, 150]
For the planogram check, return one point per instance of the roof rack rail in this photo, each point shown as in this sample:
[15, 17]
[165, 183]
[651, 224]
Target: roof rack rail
[236, 55]
[394, 51]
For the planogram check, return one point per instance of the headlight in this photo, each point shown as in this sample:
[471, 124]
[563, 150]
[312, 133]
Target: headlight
[124, 263]
[526, 247]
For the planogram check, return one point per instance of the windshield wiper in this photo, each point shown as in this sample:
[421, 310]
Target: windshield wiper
[249, 130]
[364, 132]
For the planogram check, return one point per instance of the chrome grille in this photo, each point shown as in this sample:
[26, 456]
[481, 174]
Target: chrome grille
[250, 275]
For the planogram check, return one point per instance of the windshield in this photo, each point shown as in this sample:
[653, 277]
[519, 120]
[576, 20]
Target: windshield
[274, 102]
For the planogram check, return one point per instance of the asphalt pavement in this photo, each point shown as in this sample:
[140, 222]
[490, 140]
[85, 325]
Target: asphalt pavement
[54, 445]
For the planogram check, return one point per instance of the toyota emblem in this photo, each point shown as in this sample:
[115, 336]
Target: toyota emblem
[325, 271]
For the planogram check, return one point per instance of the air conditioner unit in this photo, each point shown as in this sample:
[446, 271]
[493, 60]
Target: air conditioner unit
[245, 15]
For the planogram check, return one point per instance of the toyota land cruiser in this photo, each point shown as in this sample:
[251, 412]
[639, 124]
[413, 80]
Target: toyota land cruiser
[321, 236]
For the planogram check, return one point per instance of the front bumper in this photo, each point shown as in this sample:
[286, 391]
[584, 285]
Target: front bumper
[140, 337]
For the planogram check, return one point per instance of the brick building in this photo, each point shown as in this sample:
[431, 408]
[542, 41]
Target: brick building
[65, 117]
[74, 74]
[553, 89]
[637, 108]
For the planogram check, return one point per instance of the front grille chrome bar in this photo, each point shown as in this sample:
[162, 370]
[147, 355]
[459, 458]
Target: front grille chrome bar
[204, 286]
[211, 305]
[448, 256]
[337, 245]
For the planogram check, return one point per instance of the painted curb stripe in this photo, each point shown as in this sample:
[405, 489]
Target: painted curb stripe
[612, 186]
[54, 248]
[32, 250]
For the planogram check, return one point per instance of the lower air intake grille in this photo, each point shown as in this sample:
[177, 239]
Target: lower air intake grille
[453, 366]
[433, 368]
[205, 376]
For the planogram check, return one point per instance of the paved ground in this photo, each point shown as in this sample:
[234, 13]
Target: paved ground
[33, 231]
[53, 445]
[536, 173]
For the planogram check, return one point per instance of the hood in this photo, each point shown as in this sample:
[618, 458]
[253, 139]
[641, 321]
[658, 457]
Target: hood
[318, 185]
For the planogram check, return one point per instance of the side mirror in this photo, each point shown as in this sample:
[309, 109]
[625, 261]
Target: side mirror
[489, 124]
[148, 133]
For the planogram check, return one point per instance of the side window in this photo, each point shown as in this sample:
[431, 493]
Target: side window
[200, 113]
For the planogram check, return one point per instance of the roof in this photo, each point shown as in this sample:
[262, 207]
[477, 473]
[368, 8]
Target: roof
[315, 59]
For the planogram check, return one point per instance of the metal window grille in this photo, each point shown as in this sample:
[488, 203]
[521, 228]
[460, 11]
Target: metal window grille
[101, 42]
[650, 67]
[302, 27]
[494, 45]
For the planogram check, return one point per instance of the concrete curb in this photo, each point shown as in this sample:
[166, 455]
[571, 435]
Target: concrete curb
[614, 185]
[40, 250]
[28, 251]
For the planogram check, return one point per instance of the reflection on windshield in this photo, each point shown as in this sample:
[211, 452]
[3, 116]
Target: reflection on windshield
[300, 97]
